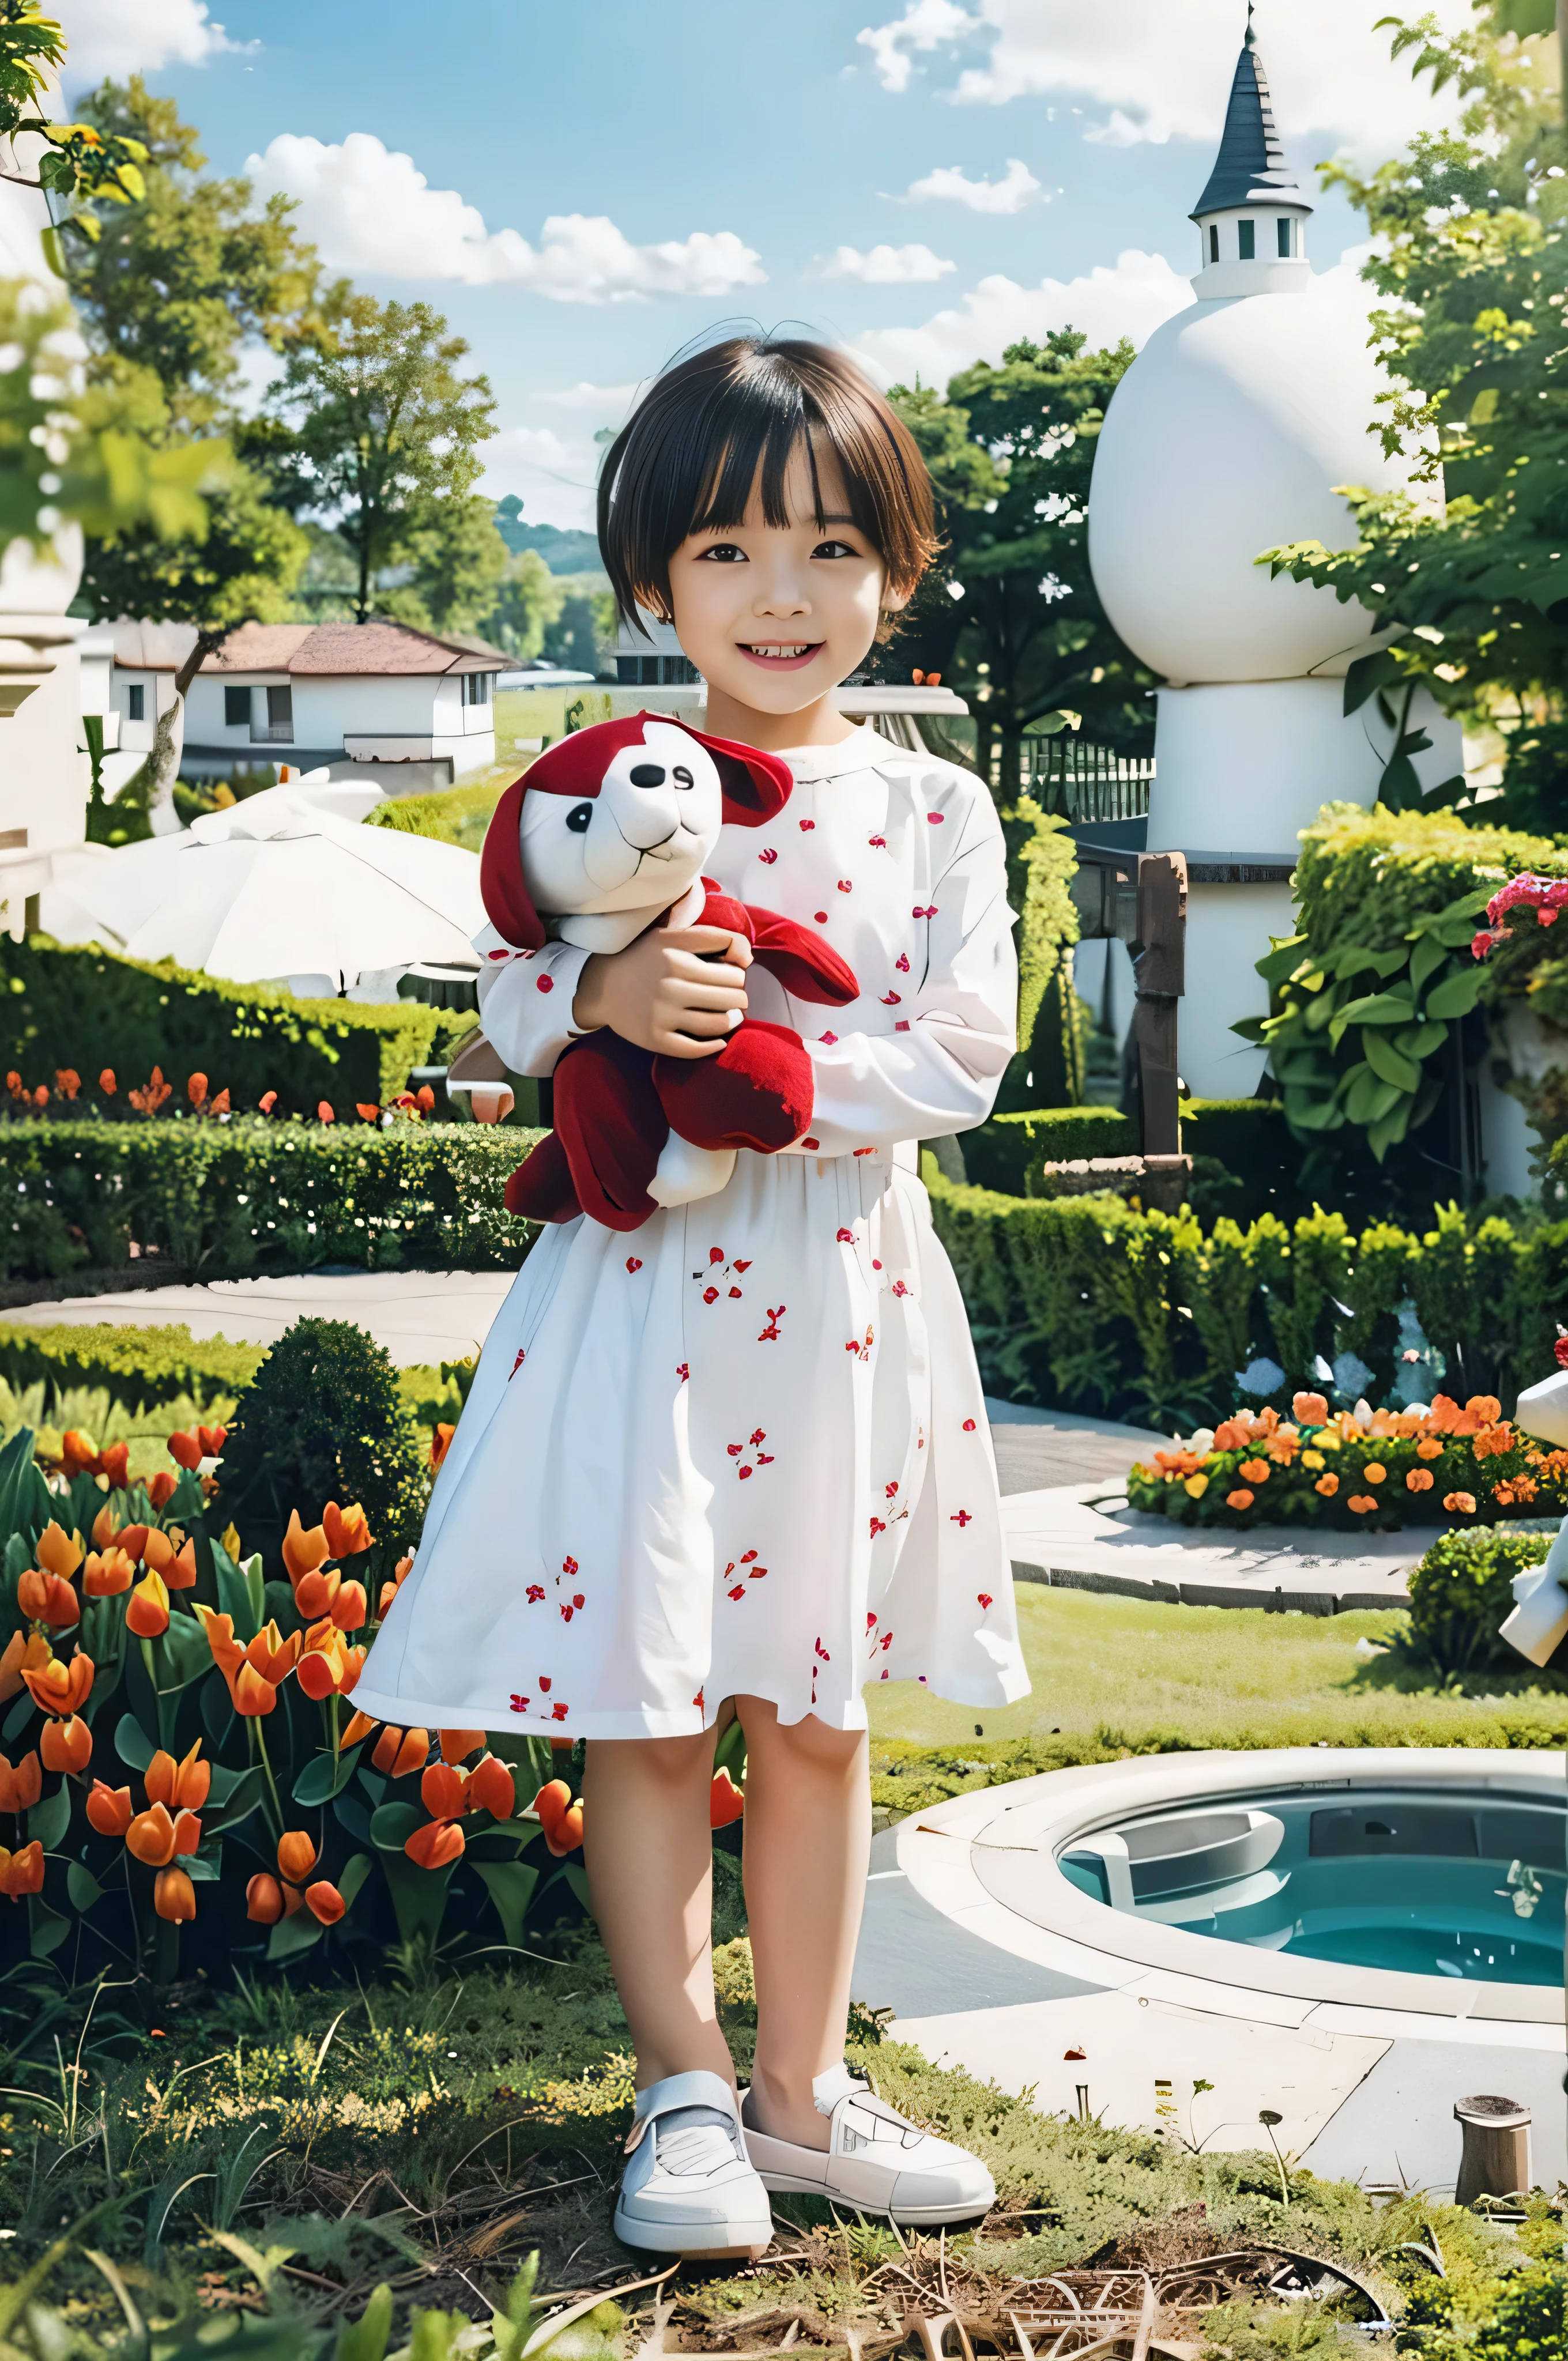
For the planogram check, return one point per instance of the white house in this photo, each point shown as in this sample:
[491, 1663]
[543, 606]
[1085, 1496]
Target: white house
[378, 694]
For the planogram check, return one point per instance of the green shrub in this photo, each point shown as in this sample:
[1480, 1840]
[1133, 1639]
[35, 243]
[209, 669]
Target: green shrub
[456, 816]
[1006, 1153]
[1041, 858]
[1086, 1302]
[222, 1199]
[82, 1007]
[1462, 1592]
[140, 1366]
[1250, 1141]
[325, 1419]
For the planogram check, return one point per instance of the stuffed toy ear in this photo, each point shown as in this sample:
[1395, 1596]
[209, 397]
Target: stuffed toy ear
[507, 903]
[755, 785]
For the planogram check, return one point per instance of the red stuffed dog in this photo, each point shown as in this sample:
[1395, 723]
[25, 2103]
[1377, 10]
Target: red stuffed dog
[606, 834]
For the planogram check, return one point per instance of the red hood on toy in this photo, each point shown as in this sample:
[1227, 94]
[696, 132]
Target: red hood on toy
[754, 786]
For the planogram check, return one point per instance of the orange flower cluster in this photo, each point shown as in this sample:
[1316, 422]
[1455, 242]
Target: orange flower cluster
[22, 1872]
[561, 1819]
[168, 1830]
[152, 1093]
[267, 1899]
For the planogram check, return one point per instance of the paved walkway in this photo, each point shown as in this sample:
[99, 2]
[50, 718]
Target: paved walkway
[418, 1315]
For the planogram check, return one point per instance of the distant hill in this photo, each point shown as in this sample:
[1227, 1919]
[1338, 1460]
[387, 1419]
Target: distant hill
[564, 552]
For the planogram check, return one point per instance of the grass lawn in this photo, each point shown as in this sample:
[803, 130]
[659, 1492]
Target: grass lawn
[1221, 1676]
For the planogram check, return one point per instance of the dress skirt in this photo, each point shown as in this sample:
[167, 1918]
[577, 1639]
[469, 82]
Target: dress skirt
[741, 1450]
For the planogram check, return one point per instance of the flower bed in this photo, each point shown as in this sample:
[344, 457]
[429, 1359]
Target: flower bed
[1360, 1469]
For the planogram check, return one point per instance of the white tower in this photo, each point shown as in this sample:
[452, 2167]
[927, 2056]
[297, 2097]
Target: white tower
[1226, 437]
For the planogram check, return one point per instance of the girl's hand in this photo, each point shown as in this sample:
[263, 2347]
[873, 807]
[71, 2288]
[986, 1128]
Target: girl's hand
[663, 994]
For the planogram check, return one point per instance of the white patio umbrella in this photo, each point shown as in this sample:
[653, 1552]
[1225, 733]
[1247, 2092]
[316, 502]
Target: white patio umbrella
[280, 885]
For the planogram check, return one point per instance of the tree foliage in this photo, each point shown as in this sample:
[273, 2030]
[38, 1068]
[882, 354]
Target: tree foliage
[81, 165]
[1472, 261]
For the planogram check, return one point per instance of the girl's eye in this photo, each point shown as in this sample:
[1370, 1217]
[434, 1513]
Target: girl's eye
[726, 553]
[834, 549]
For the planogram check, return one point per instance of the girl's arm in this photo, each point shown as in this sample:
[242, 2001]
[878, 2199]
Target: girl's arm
[938, 1069]
[660, 993]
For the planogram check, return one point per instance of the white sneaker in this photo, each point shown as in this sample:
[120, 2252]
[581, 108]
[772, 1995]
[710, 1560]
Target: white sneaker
[875, 2161]
[688, 2187]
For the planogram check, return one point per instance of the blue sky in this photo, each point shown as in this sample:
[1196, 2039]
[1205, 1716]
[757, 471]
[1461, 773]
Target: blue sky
[583, 189]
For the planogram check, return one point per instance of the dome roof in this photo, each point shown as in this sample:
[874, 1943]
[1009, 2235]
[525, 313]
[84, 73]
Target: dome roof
[1226, 437]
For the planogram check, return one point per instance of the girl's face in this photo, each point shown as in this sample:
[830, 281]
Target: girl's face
[775, 617]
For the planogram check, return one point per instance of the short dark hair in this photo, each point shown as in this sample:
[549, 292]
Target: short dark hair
[687, 458]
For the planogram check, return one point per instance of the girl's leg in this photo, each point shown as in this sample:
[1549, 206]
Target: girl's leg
[650, 1864]
[808, 1830]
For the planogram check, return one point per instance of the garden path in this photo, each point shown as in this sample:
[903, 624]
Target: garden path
[419, 1315]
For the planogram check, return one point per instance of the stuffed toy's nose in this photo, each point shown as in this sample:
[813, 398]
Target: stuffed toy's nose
[649, 774]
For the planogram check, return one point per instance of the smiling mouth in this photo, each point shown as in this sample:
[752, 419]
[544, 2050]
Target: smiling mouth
[781, 655]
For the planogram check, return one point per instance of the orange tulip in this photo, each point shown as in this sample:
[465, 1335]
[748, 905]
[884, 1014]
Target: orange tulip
[725, 1801]
[181, 1573]
[78, 1451]
[1361, 1504]
[399, 1752]
[181, 1785]
[109, 1808]
[456, 1743]
[267, 1102]
[59, 1551]
[315, 1593]
[271, 1655]
[160, 1490]
[150, 1837]
[323, 1661]
[22, 1872]
[561, 1819]
[20, 1788]
[1327, 1485]
[211, 1440]
[324, 1902]
[106, 1576]
[1255, 1471]
[148, 1612]
[1419, 1480]
[158, 1551]
[264, 1901]
[45, 1598]
[60, 1688]
[360, 1726]
[106, 1529]
[114, 1462]
[132, 1539]
[66, 1745]
[492, 1788]
[185, 1449]
[174, 1895]
[1240, 1499]
[304, 1551]
[1375, 1472]
[196, 1089]
[1460, 1504]
[252, 1695]
[436, 1846]
[441, 1444]
[353, 1665]
[296, 1855]
[347, 1530]
[23, 1653]
[444, 1791]
[350, 1608]
[106, 1082]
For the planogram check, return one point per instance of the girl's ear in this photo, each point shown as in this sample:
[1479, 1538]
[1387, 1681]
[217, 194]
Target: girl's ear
[754, 786]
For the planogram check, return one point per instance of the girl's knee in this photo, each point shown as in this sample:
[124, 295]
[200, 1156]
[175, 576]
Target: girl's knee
[807, 1744]
[653, 1762]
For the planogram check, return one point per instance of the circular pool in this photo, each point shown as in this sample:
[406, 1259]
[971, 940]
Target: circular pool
[1415, 1878]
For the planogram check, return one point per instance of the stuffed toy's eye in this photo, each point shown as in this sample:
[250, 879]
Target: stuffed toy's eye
[682, 777]
[577, 819]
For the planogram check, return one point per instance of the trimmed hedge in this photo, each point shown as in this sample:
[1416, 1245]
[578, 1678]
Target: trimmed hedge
[138, 1367]
[1462, 1593]
[63, 1005]
[1006, 1153]
[223, 1199]
[1085, 1301]
[1247, 1137]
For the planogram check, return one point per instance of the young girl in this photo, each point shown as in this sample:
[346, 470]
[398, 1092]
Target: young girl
[751, 1432]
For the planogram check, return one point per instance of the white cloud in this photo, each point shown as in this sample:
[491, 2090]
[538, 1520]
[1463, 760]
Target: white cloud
[924, 25]
[887, 266]
[553, 477]
[607, 400]
[110, 37]
[1165, 74]
[371, 210]
[1008, 195]
[1130, 299]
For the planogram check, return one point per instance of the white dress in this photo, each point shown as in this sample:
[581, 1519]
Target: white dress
[742, 1450]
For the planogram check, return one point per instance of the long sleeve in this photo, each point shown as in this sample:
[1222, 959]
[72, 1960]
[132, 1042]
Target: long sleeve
[938, 1068]
[526, 1001]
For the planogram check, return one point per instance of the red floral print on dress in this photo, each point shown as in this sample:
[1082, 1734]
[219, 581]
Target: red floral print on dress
[568, 1610]
[983, 1597]
[633, 1262]
[871, 1620]
[969, 1426]
[862, 1351]
[890, 1490]
[902, 963]
[829, 1037]
[846, 1238]
[881, 841]
[935, 820]
[846, 885]
[535, 1593]
[961, 1519]
[558, 1711]
[683, 1370]
[545, 982]
[755, 1573]
[698, 1703]
[928, 912]
[892, 999]
[519, 1704]
[807, 826]
[770, 1335]
[902, 1025]
[899, 1287]
[818, 1653]
[768, 855]
[753, 1444]
[877, 1527]
[517, 1365]
[545, 1682]
[568, 1565]
[718, 1270]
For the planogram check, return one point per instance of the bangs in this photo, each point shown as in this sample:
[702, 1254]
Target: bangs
[734, 417]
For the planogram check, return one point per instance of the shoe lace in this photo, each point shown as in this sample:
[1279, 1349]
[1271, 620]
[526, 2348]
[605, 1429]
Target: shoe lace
[695, 2140]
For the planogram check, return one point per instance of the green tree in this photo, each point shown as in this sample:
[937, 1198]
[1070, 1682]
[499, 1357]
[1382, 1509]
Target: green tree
[382, 430]
[79, 166]
[1471, 254]
[530, 603]
[457, 562]
[1011, 618]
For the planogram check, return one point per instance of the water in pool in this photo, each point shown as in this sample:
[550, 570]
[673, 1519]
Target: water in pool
[1469, 1887]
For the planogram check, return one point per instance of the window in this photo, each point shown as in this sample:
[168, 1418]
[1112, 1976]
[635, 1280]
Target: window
[1214, 241]
[1244, 246]
[279, 722]
[675, 672]
[135, 702]
[1283, 226]
[236, 708]
[476, 688]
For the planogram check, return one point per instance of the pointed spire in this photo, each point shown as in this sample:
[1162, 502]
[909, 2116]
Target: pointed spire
[1250, 168]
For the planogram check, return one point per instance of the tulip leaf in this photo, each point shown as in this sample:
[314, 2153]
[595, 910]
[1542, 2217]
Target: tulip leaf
[392, 1824]
[1390, 1063]
[324, 1775]
[50, 1816]
[375, 1786]
[1456, 995]
[82, 1886]
[293, 1935]
[512, 1885]
[578, 1879]
[47, 1928]
[244, 1794]
[355, 1873]
[132, 1743]
[205, 1866]
[239, 1598]
[418, 1896]
[353, 1816]
[186, 1503]
[16, 1720]
[182, 1652]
